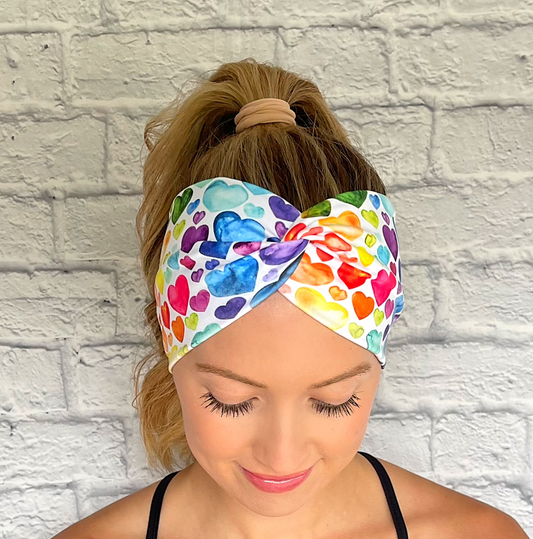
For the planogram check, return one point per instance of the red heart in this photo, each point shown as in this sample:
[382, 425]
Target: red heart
[352, 277]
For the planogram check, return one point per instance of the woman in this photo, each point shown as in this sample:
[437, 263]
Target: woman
[257, 249]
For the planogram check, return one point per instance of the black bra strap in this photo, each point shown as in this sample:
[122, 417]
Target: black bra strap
[155, 508]
[394, 507]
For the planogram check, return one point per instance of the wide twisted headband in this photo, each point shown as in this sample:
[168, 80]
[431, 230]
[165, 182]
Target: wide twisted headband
[230, 244]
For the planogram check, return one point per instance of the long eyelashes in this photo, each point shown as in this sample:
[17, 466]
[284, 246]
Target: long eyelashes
[346, 408]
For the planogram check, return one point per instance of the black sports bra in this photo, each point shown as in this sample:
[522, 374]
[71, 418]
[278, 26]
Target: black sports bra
[399, 524]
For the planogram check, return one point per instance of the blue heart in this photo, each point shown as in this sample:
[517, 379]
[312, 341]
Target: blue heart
[230, 227]
[383, 254]
[192, 206]
[230, 310]
[375, 201]
[238, 277]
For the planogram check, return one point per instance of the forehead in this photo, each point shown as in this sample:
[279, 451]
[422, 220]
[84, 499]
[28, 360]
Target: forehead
[277, 340]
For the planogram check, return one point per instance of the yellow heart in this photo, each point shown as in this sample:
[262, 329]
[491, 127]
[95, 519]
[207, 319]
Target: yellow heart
[355, 330]
[365, 256]
[371, 217]
[331, 314]
[370, 239]
[378, 316]
[192, 321]
[178, 229]
[160, 280]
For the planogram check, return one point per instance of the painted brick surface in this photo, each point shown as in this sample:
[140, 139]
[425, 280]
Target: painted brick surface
[437, 93]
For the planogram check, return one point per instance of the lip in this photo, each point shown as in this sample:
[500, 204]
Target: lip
[276, 484]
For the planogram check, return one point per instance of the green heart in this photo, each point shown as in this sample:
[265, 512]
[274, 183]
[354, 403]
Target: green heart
[371, 217]
[322, 209]
[192, 321]
[370, 239]
[180, 203]
[356, 198]
[178, 229]
[168, 275]
[355, 330]
[378, 316]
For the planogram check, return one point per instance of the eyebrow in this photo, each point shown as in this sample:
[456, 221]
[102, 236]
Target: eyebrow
[363, 368]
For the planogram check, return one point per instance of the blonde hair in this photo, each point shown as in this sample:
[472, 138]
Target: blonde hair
[195, 139]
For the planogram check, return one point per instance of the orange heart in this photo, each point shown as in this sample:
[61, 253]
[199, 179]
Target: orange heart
[337, 294]
[311, 273]
[362, 305]
[334, 242]
[347, 224]
[178, 328]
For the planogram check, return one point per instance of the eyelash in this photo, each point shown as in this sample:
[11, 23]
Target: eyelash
[246, 406]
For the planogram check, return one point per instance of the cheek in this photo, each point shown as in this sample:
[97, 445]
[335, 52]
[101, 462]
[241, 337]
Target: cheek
[208, 433]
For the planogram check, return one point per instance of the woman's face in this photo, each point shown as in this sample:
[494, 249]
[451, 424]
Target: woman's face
[282, 428]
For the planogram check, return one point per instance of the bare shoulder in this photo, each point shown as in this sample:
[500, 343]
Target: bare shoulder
[125, 518]
[434, 511]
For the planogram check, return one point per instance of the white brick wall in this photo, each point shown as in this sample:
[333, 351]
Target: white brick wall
[440, 94]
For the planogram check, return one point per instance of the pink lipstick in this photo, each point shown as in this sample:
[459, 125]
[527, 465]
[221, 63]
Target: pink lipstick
[277, 484]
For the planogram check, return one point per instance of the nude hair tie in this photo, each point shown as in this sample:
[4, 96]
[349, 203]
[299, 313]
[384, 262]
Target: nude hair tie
[263, 111]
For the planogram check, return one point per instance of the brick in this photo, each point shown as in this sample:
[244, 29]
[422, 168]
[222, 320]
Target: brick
[113, 66]
[62, 451]
[55, 304]
[343, 62]
[459, 372]
[479, 442]
[50, 11]
[36, 513]
[491, 295]
[440, 219]
[454, 59]
[487, 139]
[26, 232]
[35, 381]
[39, 154]
[104, 376]
[394, 139]
[481, 6]
[404, 441]
[101, 227]
[31, 68]
[132, 299]
[126, 151]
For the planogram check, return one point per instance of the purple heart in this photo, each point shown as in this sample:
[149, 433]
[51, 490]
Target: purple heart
[392, 241]
[282, 252]
[246, 247]
[281, 229]
[197, 275]
[385, 217]
[230, 310]
[271, 275]
[198, 216]
[393, 267]
[388, 307]
[192, 235]
[200, 302]
[283, 210]
[210, 264]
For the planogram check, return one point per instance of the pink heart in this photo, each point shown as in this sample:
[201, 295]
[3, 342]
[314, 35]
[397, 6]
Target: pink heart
[244, 248]
[200, 302]
[178, 296]
[393, 267]
[188, 262]
[382, 286]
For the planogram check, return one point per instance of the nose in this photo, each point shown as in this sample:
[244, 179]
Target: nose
[282, 442]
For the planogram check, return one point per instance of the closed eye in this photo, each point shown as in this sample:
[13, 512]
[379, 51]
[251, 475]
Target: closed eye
[346, 408]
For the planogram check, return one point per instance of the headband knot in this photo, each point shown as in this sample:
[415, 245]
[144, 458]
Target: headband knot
[263, 111]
